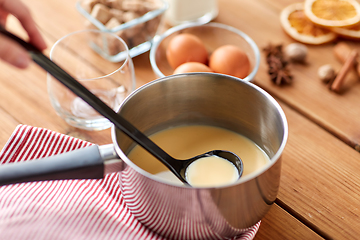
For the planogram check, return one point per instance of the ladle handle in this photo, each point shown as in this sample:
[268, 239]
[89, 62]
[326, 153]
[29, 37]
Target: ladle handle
[84, 163]
[81, 91]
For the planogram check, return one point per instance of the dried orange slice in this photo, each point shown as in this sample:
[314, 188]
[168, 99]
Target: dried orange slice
[333, 13]
[352, 32]
[299, 27]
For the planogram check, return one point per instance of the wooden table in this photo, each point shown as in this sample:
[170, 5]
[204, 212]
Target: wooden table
[319, 193]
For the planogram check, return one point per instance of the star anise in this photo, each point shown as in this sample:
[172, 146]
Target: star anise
[278, 66]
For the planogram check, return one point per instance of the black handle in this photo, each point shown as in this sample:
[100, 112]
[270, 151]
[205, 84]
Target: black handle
[78, 89]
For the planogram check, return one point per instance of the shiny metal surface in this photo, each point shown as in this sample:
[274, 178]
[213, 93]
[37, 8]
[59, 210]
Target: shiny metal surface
[181, 212]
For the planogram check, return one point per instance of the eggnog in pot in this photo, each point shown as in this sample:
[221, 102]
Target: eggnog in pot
[183, 142]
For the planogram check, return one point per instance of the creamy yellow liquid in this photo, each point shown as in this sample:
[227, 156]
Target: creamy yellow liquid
[184, 142]
[211, 171]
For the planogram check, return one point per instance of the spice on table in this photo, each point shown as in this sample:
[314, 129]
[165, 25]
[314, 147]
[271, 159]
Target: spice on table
[278, 65]
[296, 52]
[326, 73]
[349, 63]
[342, 51]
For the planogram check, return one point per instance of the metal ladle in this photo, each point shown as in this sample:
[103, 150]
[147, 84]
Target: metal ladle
[177, 167]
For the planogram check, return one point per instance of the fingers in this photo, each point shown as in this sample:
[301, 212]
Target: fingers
[10, 51]
[3, 17]
[13, 53]
[22, 13]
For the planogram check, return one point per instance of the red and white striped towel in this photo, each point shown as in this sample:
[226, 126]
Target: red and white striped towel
[66, 209]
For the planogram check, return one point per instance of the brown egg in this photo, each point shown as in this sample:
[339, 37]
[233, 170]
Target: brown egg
[230, 60]
[192, 67]
[184, 48]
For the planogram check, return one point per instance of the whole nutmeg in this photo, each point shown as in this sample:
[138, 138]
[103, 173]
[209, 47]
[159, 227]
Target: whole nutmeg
[326, 73]
[296, 52]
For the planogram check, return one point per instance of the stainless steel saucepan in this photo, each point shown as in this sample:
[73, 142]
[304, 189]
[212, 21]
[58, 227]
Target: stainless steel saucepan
[182, 212]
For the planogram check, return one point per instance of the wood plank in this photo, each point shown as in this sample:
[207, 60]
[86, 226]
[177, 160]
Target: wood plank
[277, 220]
[320, 178]
[7, 126]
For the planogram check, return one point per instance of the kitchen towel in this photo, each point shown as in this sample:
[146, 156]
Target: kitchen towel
[65, 209]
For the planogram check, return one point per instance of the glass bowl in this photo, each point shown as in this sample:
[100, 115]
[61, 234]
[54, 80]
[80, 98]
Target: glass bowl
[137, 33]
[213, 35]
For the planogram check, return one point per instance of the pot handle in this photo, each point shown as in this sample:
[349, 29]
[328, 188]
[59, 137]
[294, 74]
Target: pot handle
[84, 163]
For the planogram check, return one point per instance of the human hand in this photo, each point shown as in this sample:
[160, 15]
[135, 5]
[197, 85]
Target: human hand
[11, 51]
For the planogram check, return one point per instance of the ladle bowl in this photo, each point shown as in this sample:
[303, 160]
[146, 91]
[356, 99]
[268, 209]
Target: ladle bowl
[180, 167]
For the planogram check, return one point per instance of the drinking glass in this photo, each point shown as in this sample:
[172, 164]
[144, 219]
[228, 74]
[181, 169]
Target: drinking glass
[101, 62]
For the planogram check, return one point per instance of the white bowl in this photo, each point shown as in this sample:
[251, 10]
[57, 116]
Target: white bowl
[213, 35]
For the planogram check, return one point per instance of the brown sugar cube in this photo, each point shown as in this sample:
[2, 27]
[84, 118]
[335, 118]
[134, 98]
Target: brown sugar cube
[122, 35]
[128, 16]
[113, 22]
[133, 31]
[118, 14]
[152, 5]
[88, 5]
[116, 4]
[101, 13]
[134, 6]
[103, 2]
